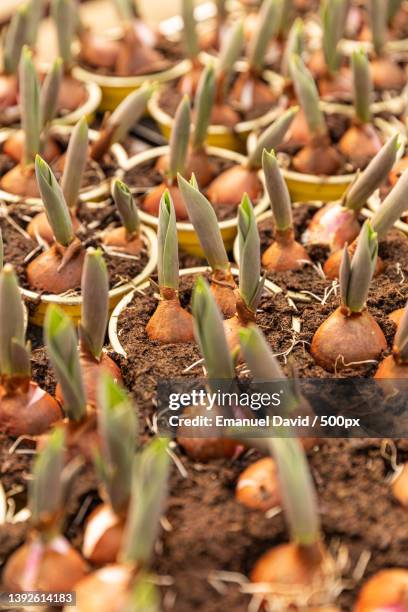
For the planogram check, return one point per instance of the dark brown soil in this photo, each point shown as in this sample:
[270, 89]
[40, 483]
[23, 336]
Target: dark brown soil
[96, 217]
[144, 177]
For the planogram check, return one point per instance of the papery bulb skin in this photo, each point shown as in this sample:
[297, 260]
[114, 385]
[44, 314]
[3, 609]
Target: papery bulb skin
[20, 181]
[258, 486]
[249, 92]
[332, 225]
[40, 227]
[331, 267]
[97, 50]
[103, 535]
[135, 58]
[151, 203]
[228, 187]
[170, 323]
[91, 370]
[118, 239]
[345, 340]
[8, 91]
[14, 148]
[386, 590]
[27, 410]
[44, 273]
[223, 288]
[242, 318]
[398, 169]
[285, 253]
[106, 590]
[360, 144]
[58, 569]
[396, 316]
[387, 75]
[223, 114]
[318, 159]
[391, 368]
[289, 565]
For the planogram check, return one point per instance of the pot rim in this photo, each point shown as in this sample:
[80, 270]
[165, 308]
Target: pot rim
[50, 298]
[241, 127]
[93, 193]
[94, 97]
[118, 82]
[396, 105]
[120, 306]
[185, 226]
[386, 127]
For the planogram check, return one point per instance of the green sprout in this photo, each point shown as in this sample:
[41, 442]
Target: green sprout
[203, 104]
[278, 192]
[377, 10]
[1, 251]
[149, 491]
[179, 138]
[126, 9]
[30, 106]
[54, 202]
[126, 207]
[271, 137]
[391, 208]
[144, 595]
[258, 355]
[75, 163]
[46, 492]
[95, 303]
[49, 93]
[373, 176]
[294, 45]
[308, 96]
[118, 430]
[65, 16]
[190, 29]
[250, 284]
[401, 338]
[286, 16]
[62, 349]
[35, 13]
[393, 8]
[15, 38]
[14, 352]
[333, 15]
[355, 276]
[118, 124]
[269, 19]
[210, 335]
[362, 85]
[167, 265]
[230, 52]
[204, 220]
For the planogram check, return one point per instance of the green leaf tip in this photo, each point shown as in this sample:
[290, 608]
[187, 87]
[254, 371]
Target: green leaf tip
[95, 303]
[250, 284]
[168, 263]
[14, 352]
[126, 206]
[308, 95]
[278, 191]
[179, 138]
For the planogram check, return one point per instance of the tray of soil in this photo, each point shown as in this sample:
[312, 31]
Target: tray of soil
[323, 150]
[246, 99]
[331, 68]
[50, 271]
[148, 179]
[125, 58]
[19, 147]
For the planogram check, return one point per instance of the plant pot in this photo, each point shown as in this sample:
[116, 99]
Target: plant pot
[309, 187]
[93, 192]
[126, 299]
[115, 89]
[188, 239]
[38, 303]
[219, 135]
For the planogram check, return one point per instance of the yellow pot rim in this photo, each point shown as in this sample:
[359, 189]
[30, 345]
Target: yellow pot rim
[151, 237]
[118, 82]
[242, 127]
[183, 226]
[94, 193]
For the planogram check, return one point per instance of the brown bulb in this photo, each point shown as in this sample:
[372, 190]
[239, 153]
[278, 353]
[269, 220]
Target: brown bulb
[343, 340]
[332, 265]
[48, 273]
[106, 590]
[119, 239]
[97, 50]
[27, 410]
[8, 91]
[332, 225]
[398, 169]
[258, 486]
[198, 163]
[387, 74]
[396, 315]
[318, 159]
[285, 253]
[14, 147]
[228, 188]
[388, 589]
[72, 94]
[223, 288]
[103, 536]
[250, 92]
[20, 181]
[223, 114]
[39, 226]
[151, 202]
[360, 144]
[170, 323]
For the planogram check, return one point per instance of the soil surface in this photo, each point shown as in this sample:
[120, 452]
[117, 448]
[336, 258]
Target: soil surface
[145, 176]
[207, 531]
[96, 217]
